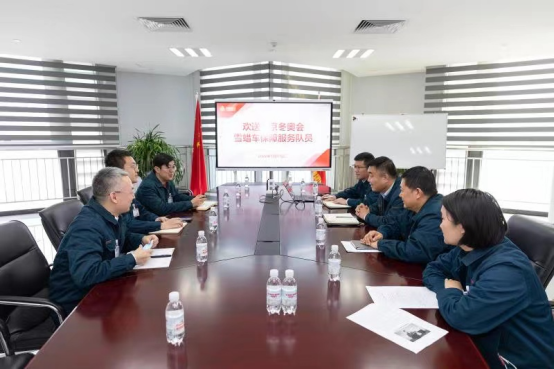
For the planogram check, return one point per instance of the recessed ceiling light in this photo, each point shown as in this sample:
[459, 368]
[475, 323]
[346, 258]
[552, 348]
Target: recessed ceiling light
[191, 52]
[338, 54]
[16, 40]
[366, 54]
[206, 53]
[177, 52]
[353, 53]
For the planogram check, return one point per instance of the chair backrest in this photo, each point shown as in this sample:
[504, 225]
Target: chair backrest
[85, 195]
[57, 218]
[24, 270]
[536, 240]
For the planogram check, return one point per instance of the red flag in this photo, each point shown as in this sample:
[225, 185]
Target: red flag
[320, 177]
[198, 179]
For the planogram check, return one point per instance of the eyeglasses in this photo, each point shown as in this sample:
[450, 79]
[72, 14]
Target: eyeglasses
[128, 193]
[173, 167]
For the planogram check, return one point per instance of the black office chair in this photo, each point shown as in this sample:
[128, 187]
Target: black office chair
[57, 218]
[85, 195]
[16, 361]
[536, 240]
[27, 317]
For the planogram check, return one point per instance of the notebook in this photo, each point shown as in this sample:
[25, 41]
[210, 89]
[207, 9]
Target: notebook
[170, 231]
[340, 219]
[332, 205]
[206, 205]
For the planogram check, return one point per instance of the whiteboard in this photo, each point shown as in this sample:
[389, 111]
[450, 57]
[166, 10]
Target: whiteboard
[408, 139]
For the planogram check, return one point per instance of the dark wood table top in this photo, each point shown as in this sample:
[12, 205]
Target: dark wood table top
[121, 323]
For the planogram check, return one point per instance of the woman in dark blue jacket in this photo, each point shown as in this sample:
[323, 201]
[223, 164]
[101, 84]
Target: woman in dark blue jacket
[487, 287]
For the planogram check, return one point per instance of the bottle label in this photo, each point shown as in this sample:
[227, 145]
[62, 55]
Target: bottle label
[289, 296]
[213, 221]
[176, 324]
[318, 208]
[202, 249]
[273, 295]
[334, 266]
[320, 234]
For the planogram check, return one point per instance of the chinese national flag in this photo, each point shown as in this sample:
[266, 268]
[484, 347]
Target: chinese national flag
[320, 177]
[198, 179]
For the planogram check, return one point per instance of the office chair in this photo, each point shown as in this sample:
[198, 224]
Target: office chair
[85, 195]
[16, 361]
[27, 317]
[57, 218]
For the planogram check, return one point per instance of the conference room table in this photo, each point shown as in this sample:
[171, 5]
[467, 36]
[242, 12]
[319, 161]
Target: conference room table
[121, 323]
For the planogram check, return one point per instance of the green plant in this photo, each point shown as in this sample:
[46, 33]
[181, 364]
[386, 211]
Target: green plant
[146, 145]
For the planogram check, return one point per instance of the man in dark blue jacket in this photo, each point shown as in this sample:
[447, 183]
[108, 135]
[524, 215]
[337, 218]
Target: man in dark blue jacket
[384, 180]
[487, 288]
[353, 196]
[414, 235]
[139, 219]
[157, 191]
[97, 245]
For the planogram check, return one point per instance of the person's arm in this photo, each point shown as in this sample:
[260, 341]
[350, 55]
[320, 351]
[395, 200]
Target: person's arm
[444, 267]
[347, 193]
[142, 226]
[148, 197]
[85, 251]
[375, 219]
[498, 294]
[145, 214]
[179, 197]
[423, 244]
[393, 229]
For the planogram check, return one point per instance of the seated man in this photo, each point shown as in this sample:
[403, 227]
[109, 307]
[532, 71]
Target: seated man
[414, 235]
[487, 288]
[385, 181]
[354, 196]
[97, 244]
[138, 218]
[157, 191]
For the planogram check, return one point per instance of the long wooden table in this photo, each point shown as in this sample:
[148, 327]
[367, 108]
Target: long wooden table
[121, 323]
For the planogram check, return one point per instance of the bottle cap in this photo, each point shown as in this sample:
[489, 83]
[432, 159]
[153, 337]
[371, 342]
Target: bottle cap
[174, 296]
[289, 273]
[335, 248]
[274, 273]
[200, 233]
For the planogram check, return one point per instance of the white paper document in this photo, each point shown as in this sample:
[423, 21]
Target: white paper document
[171, 230]
[350, 246]
[398, 326]
[332, 205]
[161, 259]
[340, 219]
[206, 205]
[404, 297]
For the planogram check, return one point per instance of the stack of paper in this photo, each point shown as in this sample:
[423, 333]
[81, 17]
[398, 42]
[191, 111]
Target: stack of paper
[161, 258]
[171, 230]
[332, 205]
[357, 246]
[398, 326]
[206, 205]
[340, 219]
[404, 297]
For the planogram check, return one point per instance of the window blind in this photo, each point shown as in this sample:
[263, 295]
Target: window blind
[495, 105]
[264, 81]
[56, 104]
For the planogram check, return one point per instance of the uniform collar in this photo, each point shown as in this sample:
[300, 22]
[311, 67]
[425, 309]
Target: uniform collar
[476, 254]
[96, 206]
[154, 178]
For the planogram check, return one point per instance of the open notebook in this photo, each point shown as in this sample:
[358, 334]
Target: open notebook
[332, 205]
[341, 219]
[206, 205]
[170, 231]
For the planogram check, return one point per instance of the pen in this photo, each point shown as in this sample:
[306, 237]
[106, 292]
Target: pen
[344, 216]
[160, 256]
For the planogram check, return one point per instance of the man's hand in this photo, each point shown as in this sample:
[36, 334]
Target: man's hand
[341, 201]
[452, 283]
[161, 219]
[371, 238]
[362, 211]
[172, 223]
[198, 200]
[152, 237]
[141, 255]
[329, 197]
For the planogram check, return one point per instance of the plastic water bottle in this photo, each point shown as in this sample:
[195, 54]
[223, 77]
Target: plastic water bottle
[246, 184]
[318, 206]
[212, 219]
[201, 248]
[302, 187]
[334, 264]
[175, 320]
[290, 293]
[273, 292]
[320, 233]
[237, 190]
[226, 200]
[315, 189]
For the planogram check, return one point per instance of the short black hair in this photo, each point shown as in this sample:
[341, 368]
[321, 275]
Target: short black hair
[422, 178]
[480, 215]
[366, 157]
[161, 160]
[116, 158]
[384, 164]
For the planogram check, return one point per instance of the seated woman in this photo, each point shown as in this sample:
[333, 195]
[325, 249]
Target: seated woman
[487, 288]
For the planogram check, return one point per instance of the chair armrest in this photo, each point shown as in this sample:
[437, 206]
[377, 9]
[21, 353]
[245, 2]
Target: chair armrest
[33, 302]
[5, 338]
